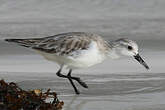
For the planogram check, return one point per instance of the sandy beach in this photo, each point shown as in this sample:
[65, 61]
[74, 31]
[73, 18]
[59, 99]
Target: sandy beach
[129, 88]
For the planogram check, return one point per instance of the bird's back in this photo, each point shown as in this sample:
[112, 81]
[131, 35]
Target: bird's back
[62, 44]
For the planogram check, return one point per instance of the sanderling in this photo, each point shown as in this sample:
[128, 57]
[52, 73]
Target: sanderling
[80, 50]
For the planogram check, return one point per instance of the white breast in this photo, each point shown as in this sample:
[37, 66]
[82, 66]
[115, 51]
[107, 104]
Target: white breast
[87, 58]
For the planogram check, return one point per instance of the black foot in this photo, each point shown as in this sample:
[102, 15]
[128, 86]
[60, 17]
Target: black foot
[77, 92]
[74, 87]
[82, 83]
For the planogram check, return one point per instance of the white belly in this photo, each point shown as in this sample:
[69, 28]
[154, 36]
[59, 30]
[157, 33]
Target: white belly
[81, 58]
[87, 58]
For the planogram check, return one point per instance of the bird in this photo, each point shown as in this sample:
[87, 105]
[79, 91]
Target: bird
[78, 50]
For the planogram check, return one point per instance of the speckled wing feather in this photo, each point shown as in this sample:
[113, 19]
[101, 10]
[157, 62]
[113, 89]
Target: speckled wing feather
[26, 42]
[61, 44]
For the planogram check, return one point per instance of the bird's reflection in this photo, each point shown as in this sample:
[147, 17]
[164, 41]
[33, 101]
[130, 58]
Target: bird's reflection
[78, 106]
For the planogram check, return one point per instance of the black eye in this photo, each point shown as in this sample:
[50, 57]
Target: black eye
[130, 48]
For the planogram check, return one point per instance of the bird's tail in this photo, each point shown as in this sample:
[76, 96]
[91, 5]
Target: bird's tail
[23, 42]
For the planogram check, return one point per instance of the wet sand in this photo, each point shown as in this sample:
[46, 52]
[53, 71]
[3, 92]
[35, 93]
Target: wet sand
[113, 85]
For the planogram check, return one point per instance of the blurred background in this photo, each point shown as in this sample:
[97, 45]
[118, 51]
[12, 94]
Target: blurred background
[141, 20]
[129, 88]
[136, 19]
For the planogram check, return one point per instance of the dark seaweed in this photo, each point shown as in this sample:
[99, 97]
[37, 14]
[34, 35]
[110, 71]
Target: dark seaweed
[14, 98]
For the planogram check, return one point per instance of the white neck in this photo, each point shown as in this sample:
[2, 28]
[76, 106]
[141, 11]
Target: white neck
[113, 54]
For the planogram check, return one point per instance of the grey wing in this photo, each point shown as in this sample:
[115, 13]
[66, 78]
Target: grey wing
[63, 45]
[26, 42]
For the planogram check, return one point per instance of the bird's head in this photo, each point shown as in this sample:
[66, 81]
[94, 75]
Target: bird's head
[126, 47]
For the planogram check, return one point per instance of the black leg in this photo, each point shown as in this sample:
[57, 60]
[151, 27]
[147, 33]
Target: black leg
[59, 73]
[70, 79]
[83, 84]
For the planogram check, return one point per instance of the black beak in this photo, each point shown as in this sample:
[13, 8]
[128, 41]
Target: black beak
[141, 61]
